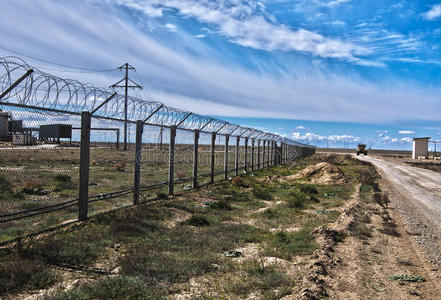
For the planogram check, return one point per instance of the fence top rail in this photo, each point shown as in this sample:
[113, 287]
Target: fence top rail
[41, 91]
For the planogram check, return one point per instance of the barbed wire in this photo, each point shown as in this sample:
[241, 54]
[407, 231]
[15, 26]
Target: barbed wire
[41, 90]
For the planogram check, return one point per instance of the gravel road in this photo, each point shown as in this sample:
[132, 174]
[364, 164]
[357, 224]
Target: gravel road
[416, 194]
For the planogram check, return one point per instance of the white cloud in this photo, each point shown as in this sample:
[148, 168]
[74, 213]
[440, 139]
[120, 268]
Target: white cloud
[336, 2]
[243, 23]
[406, 139]
[316, 138]
[433, 13]
[406, 132]
[170, 27]
[214, 86]
[200, 36]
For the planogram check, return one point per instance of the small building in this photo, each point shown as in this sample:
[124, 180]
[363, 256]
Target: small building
[15, 126]
[55, 132]
[420, 148]
[23, 139]
[4, 129]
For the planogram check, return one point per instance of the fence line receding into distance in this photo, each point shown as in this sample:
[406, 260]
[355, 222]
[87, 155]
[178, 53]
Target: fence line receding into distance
[46, 180]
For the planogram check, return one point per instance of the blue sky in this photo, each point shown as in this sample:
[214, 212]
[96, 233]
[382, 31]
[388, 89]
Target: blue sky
[322, 71]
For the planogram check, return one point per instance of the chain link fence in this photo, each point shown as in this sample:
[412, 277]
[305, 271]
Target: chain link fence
[62, 157]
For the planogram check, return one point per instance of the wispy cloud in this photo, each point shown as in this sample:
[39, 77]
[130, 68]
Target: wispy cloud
[433, 13]
[316, 138]
[170, 27]
[244, 23]
[336, 2]
[406, 132]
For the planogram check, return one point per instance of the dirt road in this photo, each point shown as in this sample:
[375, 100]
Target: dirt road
[416, 193]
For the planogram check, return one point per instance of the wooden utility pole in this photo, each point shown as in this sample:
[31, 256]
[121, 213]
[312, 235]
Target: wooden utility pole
[126, 87]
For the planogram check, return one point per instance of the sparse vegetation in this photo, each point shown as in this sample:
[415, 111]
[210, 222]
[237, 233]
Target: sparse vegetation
[118, 288]
[262, 193]
[197, 220]
[17, 274]
[287, 244]
[72, 247]
[159, 247]
[31, 186]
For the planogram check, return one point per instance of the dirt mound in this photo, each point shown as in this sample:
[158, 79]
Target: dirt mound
[321, 173]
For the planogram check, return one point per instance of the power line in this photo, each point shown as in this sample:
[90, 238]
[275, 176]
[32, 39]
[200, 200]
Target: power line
[126, 67]
[83, 70]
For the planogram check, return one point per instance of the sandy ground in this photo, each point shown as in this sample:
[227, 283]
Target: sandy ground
[416, 193]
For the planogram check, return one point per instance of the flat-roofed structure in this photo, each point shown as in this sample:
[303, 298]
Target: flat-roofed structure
[420, 147]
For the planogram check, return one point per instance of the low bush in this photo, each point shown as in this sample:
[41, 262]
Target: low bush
[262, 193]
[18, 274]
[118, 288]
[237, 197]
[161, 195]
[62, 178]
[239, 182]
[197, 220]
[221, 204]
[297, 200]
[367, 176]
[287, 244]
[29, 186]
[308, 189]
[72, 247]
[120, 166]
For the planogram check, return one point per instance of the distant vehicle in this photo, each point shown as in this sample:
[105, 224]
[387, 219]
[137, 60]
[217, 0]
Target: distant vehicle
[361, 149]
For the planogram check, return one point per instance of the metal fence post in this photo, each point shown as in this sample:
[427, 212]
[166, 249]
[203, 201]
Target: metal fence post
[195, 158]
[117, 139]
[263, 153]
[237, 155]
[246, 155]
[281, 154]
[227, 139]
[258, 154]
[171, 163]
[212, 158]
[269, 154]
[252, 154]
[137, 176]
[83, 194]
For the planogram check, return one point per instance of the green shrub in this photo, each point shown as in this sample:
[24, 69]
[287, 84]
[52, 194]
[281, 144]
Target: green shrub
[257, 276]
[62, 178]
[197, 220]
[286, 244]
[221, 204]
[308, 189]
[161, 196]
[118, 288]
[72, 247]
[238, 197]
[298, 200]
[18, 274]
[262, 194]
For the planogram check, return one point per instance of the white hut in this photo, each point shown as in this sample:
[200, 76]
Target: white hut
[420, 148]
